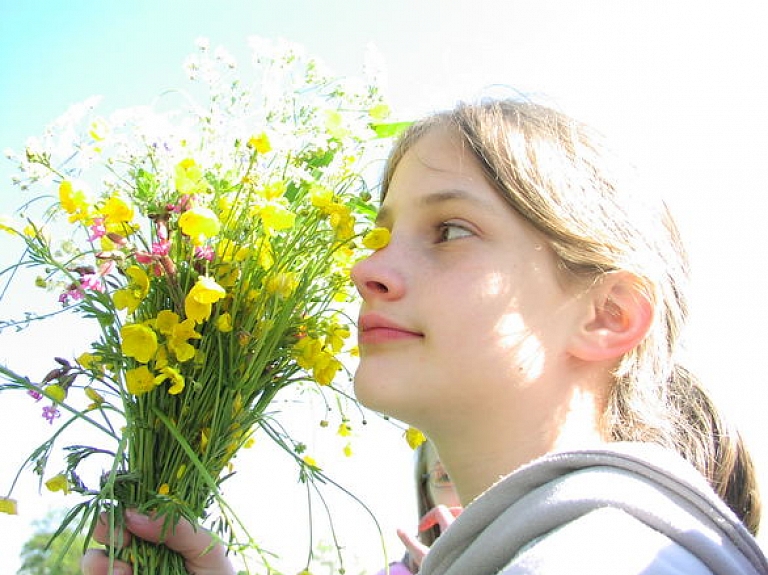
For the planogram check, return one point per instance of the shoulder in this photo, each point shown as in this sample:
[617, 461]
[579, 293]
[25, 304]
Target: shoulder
[605, 541]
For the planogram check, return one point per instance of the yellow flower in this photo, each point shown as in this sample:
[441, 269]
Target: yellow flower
[306, 350]
[165, 321]
[334, 124]
[260, 143]
[94, 395]
[342, 221]
[116, 211]
[161, 357]
[282, 284]
[266, 257]
[174, 376]
[7, 225]
[348, 450]
[74, 202]
[179, 333]
[376, 239]
[181, 471]
[132, 295]
[179, 344]
[275, 217]
[199, 223]
[58, 483]
[88, 360]
[205, 292]
[310, 461]
[56, 393]
[414, 437]
[325, 368]
[138, 341]
[9, 506]
[321, 197]
[224, 323]
[344, 429]
[227, 274]
[99, 129]
[336, 335]
[189, 177]
[227, 251]
[164, 489]
[379, 112]
[139, 380]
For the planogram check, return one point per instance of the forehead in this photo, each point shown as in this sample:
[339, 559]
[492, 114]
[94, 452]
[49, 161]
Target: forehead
[437, 167]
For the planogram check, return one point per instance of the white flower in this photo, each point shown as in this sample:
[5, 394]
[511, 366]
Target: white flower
[202, 43]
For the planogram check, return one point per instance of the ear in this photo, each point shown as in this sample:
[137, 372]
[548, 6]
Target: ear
[617, 317]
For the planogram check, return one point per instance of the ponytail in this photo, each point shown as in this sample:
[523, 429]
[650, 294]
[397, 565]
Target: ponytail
[682, 416]
[706, 440]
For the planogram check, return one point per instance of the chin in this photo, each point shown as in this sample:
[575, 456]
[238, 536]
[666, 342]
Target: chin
[373, 391]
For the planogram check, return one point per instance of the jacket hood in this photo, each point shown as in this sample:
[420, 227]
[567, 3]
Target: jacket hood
[650, 488]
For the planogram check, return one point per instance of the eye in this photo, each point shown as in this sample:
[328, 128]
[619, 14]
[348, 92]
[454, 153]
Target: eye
[448, 231]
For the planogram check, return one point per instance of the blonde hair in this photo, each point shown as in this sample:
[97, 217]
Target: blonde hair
[556, 173]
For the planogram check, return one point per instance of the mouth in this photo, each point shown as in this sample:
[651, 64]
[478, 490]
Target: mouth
[376, 329]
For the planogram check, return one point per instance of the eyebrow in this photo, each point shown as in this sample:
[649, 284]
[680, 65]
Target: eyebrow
[438, 197]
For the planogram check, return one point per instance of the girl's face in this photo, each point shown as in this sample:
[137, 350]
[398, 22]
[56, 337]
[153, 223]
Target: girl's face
[464, 310]
[438, 486]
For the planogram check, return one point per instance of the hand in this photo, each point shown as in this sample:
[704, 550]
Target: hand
[442, 516]
[193, 544]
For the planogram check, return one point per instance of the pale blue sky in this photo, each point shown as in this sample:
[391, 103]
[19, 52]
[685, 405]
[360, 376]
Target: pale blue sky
[681, 86]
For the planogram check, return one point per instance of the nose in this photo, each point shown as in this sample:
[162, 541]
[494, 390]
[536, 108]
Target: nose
[376, 277]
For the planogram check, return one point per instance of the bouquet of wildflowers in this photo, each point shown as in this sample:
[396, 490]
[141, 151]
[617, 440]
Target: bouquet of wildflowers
[211, 245]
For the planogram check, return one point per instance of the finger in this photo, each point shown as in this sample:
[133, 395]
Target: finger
[117, 537]
[416, 549]
[441, 515]
[194, 543]
[96, 562]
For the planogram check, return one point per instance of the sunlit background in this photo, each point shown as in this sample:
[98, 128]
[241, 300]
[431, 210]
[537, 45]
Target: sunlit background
[680, 86]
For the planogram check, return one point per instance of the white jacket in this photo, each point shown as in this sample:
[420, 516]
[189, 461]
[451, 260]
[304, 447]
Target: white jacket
[622, 509]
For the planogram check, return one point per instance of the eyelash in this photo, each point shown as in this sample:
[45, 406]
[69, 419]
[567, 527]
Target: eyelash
[443, 227]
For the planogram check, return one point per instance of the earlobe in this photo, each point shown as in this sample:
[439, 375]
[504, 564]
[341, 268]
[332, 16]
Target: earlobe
[618, 317]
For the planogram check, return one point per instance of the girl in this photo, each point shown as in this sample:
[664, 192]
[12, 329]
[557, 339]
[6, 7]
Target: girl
[438, 505]
[526, 315]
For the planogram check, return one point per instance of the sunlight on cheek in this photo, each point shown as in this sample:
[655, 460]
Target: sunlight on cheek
[525, 351]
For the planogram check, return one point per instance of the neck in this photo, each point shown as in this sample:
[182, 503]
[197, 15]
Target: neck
[477, 456]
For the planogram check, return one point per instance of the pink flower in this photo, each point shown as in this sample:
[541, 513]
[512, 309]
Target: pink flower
[161, 248]
[107, 268]
[97, 229]
[143, 258]
[50, 413]
[35, 394]
[91, 282]
[204, 252]
[184, 203]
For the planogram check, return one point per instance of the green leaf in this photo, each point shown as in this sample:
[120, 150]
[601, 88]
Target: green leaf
[390, 129]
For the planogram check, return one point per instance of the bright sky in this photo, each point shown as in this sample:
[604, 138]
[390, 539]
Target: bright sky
[681, 86]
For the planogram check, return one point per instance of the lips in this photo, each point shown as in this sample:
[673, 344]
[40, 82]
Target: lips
[376, 329]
